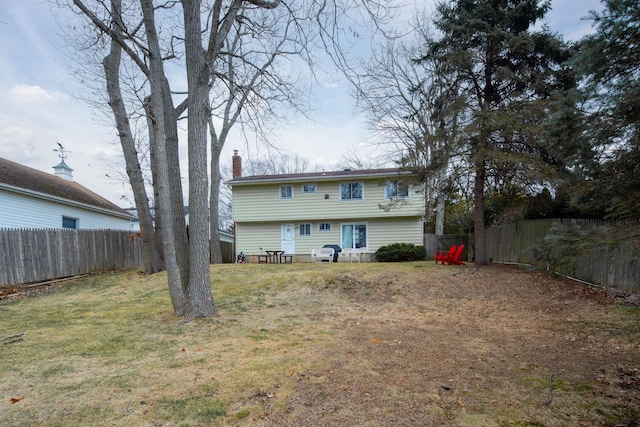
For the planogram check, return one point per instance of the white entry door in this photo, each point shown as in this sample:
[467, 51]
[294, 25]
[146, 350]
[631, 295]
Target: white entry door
[288, 238]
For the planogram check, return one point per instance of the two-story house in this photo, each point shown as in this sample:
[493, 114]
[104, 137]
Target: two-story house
[30, 198]
[362, 209]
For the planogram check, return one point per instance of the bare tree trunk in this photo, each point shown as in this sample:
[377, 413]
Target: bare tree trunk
[214, 203]
[175, 181]
[156, 81]
[214, 200]
[440, 205]
[201, 302]
[480, 249]
[111, 64]
[180, 237]
[153, 164]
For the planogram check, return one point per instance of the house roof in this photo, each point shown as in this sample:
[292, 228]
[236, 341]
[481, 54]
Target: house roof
[320, 176]
[23, 179]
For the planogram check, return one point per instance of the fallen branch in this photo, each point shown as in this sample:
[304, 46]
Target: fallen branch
[8, 295]
[550, 390]
[63, 279]
[13, 338]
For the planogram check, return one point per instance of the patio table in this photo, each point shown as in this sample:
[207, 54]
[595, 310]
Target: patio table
[275, 256]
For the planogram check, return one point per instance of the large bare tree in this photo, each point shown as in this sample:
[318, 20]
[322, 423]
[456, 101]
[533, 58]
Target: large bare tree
[249, 82]
[208, 43]
[402, 99]
[140, 41]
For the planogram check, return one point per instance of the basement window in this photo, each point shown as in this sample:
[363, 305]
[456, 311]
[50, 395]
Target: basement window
[71, 223]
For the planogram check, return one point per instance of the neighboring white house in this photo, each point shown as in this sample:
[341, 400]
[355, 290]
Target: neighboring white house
[362, 209]
[30, 198]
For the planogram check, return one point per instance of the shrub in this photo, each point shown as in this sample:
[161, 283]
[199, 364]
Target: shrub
[399, 252]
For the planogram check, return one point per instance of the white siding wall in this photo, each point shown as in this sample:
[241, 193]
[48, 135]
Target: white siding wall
[262, 203]
[20, 211]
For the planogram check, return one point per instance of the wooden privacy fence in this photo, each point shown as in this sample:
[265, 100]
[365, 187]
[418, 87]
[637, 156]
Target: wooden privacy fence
[28, 256]
[227, 252]
[616, 266]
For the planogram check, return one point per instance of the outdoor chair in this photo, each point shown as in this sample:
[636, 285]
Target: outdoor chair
[455, 259]
[443, 257]
[346, 255]
[451, 257]
[322, 254]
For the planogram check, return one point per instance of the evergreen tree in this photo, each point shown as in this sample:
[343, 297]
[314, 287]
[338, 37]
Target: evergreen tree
[610, 64]
[505, 76]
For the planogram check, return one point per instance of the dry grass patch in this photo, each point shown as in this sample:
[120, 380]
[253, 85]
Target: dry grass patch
[106, 350]
[312, 344]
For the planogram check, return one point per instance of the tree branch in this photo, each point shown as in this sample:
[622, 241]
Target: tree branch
[114, 36]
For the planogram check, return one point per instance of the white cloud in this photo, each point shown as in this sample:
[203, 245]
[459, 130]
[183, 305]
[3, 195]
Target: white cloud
[35, 94]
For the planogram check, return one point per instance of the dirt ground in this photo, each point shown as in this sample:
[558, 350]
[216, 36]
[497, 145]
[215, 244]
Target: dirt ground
[498, 346]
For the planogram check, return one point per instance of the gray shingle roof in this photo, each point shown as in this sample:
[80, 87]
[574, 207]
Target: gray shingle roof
[343, 174]
[21, 176]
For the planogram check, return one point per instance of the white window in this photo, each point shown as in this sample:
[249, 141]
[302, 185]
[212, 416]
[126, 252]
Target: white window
[309, 189]
[354, 235]
[304, 229]
[397, 189]
[324, 226]
[351, 191]
[286, 192]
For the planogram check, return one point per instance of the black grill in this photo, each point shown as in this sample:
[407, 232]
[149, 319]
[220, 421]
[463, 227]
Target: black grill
[336, 249]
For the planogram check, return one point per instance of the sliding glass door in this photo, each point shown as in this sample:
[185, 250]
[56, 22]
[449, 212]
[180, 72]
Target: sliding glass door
[353, 235]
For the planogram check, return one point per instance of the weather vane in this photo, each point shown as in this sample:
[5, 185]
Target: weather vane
[61, 151]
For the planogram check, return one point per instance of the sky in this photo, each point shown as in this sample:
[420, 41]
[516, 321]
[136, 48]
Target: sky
[39, 105]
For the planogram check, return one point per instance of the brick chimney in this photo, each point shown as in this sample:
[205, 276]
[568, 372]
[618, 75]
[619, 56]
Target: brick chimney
[237, 165]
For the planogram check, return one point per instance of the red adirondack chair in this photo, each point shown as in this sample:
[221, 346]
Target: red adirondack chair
[455, 259]
[451, 257]
[444, 256]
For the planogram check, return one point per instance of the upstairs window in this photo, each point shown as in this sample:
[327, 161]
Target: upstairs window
[309, 189]
[324, 226]
[351, 191]
[397, 189]
[286, 192]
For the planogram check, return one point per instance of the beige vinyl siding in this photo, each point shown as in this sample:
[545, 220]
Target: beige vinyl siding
[318, 238]
[385, 232]
[251, 237]
[262, 203]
